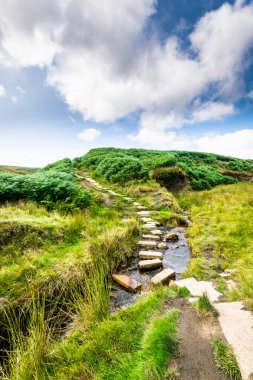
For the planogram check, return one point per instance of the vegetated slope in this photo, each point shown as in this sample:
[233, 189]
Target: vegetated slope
[221, 236]
[17, 169]
[201, 170]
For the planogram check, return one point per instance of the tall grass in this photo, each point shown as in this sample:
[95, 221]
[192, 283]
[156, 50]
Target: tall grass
[225, 359]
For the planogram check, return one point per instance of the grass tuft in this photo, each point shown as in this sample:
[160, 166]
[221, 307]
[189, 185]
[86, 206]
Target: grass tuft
[225, 359]
[205, 307]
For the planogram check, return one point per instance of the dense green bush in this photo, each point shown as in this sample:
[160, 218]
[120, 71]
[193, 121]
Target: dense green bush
[121, 168]
[55, 186]
[204, 170]
[172, 178]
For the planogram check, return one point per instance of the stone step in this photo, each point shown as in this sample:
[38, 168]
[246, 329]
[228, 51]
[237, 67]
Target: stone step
[136, 204]
[156, 232]
[146, 220]
[142, 207]
[150, 264]
[147, 243]
[198, 288]
[237, 326]
[127, 282]
[154, 237]
[164, 276]
[143, 213]
[150, 255]
[149, 226]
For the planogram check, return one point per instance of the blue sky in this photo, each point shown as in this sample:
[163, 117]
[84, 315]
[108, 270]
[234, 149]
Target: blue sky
[166, 74]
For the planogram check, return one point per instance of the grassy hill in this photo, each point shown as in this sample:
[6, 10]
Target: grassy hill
[60, 242]
[173, 169]
[17, 169]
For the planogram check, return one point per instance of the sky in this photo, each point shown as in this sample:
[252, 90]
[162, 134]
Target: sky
[155, 74]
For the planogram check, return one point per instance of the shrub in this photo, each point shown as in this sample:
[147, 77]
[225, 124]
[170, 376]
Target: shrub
[172, 178]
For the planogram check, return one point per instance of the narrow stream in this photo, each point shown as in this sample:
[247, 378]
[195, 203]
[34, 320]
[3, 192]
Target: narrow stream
[176, 256]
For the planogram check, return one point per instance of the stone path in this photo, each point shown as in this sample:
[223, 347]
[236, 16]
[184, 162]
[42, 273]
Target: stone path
[235, 322]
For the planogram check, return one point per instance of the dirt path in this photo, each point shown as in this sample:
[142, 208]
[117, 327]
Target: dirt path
[195, 360]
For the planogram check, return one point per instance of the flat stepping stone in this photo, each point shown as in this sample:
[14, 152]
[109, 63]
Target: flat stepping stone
[143, 213]
[142, 207]
[136, 204]
[237, 326]
[198, 288]
[150, 264]
[162, 245]
[150, 255]
[127, 282]
[147, 243]
[149, 220]
[154, 237]
[163, 276]
[156, 232]
[149, 226]
[172, 237]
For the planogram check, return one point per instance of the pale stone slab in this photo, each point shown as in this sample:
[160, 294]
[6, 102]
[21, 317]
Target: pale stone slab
[156, 232]
[237, 326]
[154, 237]
[136, 203]
[163, 276]
[127, 282]
[142, 207]
[146, 220]
[150, 264]
[150, 255]
[147, 243]
[128, 199]
[162, 245]
[143, 213]
[198, 288]
[149, 226]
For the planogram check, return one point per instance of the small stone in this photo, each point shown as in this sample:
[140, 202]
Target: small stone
[171, 237]
[127, 282]
[150, 255]
[136, 203]
[151, 237]
[225, 275]
[147, 243]
[150, 264]
[156, 232]
[163, 276]
[162, 245]
[143, 213]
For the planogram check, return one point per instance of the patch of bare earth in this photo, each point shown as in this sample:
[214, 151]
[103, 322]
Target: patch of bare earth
[195, 358]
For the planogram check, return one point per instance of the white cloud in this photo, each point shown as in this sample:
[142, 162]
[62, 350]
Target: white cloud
[21, 90]
[2, 91]
[89, 134]
[104, 65]
[14, 99]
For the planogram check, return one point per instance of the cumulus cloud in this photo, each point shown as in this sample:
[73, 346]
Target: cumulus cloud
[2, 91]
[89, 134]
[104, 65]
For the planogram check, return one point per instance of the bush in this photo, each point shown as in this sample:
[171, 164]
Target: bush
[55, 186]
[120, 168]
[172, 178]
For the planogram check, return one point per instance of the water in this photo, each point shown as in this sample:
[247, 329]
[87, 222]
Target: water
[176, 257]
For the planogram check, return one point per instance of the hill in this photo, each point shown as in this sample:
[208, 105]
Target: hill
[172, 169]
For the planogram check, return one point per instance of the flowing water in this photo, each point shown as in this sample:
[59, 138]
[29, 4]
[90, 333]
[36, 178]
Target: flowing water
[176, 256]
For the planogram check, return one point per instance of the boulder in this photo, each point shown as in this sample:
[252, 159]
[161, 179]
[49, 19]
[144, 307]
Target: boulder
[171, 237]
[162, 245]
[150, 255]
[163, 276]
[147, 243]
[127, 282]
[150, 264]
[154, 237]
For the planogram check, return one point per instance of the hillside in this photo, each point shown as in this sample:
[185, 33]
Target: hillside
[68, 228]
[170, 168]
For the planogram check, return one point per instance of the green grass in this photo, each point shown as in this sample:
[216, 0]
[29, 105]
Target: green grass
[205, 307]
[225, 359]
[221, 235]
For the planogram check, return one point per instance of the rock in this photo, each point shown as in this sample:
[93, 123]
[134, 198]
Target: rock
[149, 226]
[171, 237]
[147, 243]
[163, 276]
[225, 275]
[128, 199]
[162, 245]
[143, 213]
[142, 207]
[151, 237]
[146, 219]
[150, 255]
[127, 282]
[198, 288]
[136, 203]
[156, 232]
[150, 264]
[237, 326]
